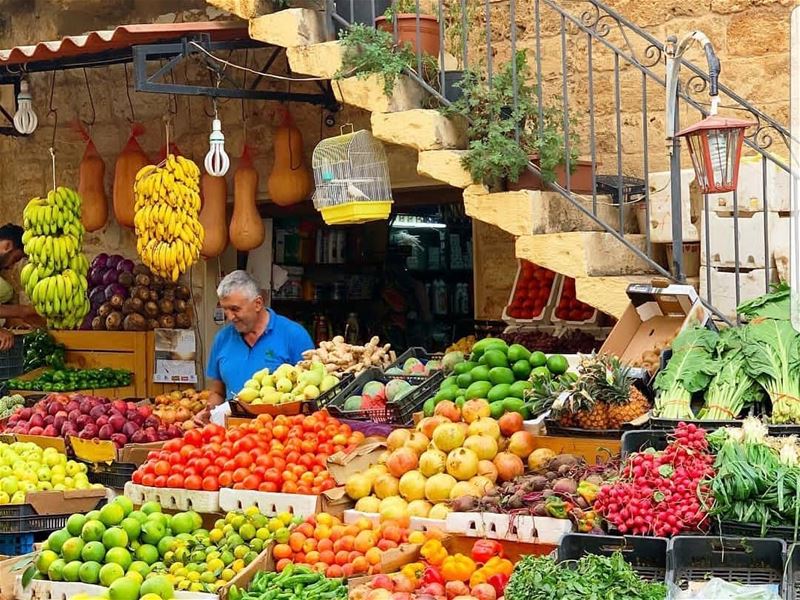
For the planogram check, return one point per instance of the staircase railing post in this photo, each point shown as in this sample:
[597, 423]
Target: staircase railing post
[674, 150]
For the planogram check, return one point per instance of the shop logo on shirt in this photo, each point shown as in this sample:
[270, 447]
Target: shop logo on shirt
[269, 354]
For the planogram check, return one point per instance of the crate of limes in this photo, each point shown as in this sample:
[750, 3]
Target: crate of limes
[499, 373]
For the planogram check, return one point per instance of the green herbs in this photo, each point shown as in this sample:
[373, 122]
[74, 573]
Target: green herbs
[370, 51]
[690, 370]
[590, 578]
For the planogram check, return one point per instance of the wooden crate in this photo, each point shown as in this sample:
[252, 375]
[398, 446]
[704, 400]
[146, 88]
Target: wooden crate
[111, 349]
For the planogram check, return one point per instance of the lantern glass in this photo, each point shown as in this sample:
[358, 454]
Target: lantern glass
[715, 145]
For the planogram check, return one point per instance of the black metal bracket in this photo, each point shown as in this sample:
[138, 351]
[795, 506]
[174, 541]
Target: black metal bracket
[191, 49]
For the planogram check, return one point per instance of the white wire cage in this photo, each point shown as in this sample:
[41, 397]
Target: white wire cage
[351, 174]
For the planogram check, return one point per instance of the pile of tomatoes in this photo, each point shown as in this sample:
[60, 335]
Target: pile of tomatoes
[569, 308]
[268, 454]
[531, 292]
[336, 549]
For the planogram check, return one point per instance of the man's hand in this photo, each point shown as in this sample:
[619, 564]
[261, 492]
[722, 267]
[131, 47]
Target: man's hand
[202, 417]
[6, 340]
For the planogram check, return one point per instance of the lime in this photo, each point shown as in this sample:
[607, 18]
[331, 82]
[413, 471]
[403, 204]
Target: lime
[110, 572]
[44, 560]
[540, 373]
[165, 544]
[281, 536]
[557, 364]
[198, 520]
[93, 531]
[138, 515]
[126, 504]
[72, 548]
[132, 527]
[151, 507]
[147, 553]
[75, 524]
[112, 514]
[56, 539]
[537, 359]
[182, 523]
[521, 369]
[93, 551]
[124, 588]
[89, 572]
[257, 544]
[139, 566]
[152, 532]
[93, 515]
[158, 585]
[71, 571]
[135, 576]
[55, 570]
[115, 537]
[428, 407]
[120, 556]
[150, 597]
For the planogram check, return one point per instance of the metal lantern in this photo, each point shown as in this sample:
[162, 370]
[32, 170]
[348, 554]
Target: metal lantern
[715, 145]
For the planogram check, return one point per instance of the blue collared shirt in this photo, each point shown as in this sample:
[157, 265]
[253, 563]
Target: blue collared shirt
[233, 361]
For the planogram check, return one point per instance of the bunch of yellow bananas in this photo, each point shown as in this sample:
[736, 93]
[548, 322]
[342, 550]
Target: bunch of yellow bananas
[169, 234]
[55, 276]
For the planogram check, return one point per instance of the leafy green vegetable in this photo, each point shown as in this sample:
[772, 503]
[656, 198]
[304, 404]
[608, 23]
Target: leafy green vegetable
[732, 388]
[592, 577]
[691, 369]
[772, 357]
[774, 305]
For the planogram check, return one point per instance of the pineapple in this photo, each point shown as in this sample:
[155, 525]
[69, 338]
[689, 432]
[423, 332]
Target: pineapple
[625, 401]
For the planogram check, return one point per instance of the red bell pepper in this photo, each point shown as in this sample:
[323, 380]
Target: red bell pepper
[498, 581]
[431, 575]
[483, 550]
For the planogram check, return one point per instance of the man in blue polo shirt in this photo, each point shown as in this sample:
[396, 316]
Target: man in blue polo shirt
[254, 338]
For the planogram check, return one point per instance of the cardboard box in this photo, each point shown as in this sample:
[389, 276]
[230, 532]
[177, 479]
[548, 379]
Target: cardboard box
[341, 465]
[104, 451]
[11, 569]
[64, 502]
[657, 313]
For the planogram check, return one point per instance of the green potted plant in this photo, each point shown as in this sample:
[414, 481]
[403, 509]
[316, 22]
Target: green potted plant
[456, 37]
[404, 14]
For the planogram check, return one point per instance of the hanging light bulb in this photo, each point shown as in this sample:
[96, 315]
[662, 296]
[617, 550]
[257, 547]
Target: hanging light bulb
[217, 162]
[25, 120]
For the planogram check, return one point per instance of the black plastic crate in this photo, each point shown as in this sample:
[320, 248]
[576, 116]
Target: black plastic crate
[793, 576]
[638, 440]
[115, 475]
[418, 353]
[23, 518]
[647, 555]
[326, 398]
[743, 560]
[396, 413]
[730, 528]
[13, 359]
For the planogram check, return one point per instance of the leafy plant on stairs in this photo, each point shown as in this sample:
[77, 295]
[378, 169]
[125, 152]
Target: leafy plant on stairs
[504, 126]
[370, 51]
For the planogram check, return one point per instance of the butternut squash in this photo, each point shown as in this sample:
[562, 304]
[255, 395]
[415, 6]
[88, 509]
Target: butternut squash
[291, 180]
[214, 192]
[247, 228]
[130, 160]
[91, 173]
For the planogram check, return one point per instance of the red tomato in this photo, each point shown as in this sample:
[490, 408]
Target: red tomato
[225, 479]
[137, 476]
[240, 474]
[175, 481]
[193, 482]
[160, 481]
[148, 479]
[193, 437]
[210, 483]
[251, 482]
[161, 467]
[268, 486]
[243, 460]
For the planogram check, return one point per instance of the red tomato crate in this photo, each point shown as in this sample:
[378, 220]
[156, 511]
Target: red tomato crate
[532, 295]
[568, 310]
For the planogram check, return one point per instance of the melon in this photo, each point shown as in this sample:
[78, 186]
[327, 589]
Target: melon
[396, 387]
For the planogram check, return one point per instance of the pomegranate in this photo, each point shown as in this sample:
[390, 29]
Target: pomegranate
[508, 466]
[439, 511]
[510, 423]
[432, 462]
[482, 445]
[401, 461]
[412, 485]
[418, 442]
[487, 469]
[462, 463]
[397, 438]
[465, 488]
[419, 508]
[522, 443]
[448, 436]
[437, 488]
[448, 410]
[386, 485]
[485, 426]
[474, 409]
[427, 425]
[358, 485]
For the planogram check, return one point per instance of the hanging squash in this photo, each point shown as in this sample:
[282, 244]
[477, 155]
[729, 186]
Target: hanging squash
[91, 189]
[291, 180]
[247, 228]
[129, 162]
[214, 192]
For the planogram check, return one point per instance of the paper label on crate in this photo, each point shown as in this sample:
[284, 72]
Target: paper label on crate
[175, 355]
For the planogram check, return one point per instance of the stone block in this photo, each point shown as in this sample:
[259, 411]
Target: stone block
[444, 165]
[318, 60]
[367, 93]
[244, 9]
[607, 294]
[583, 253]
[289, 28]
[421, 129]
[510, 211]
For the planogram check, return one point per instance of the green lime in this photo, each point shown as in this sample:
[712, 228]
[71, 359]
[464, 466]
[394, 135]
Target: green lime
[126, 504]
[132, 527]
[75, 524]
[151, 507]
[538, 359]
[44, 560]
[56, 539]
[71, 571]
[72, 548]
[109, 573]
[89, 572]
[124, 588]
[121, 556]
[93, 551]
[115, 537]
[93, 531]
[55, 570]
[112, 514]
[557, 364]
[521, 369]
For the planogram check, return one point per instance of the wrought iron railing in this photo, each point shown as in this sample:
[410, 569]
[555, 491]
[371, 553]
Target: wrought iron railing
[607, 66]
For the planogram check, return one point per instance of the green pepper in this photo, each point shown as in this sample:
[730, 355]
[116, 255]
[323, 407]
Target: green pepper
[556, 507]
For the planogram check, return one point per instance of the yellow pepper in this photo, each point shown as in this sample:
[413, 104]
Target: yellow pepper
[458, 568]
[413, 571]
[493, 566]
[433, 552]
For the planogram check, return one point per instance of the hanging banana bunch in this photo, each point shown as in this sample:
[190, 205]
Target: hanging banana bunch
[55, 276]
[169, 233]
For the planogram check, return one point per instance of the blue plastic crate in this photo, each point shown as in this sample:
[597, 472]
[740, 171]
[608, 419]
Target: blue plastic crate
[14, 544]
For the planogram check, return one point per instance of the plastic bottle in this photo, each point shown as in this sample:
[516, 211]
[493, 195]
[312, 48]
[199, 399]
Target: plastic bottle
[351, 329]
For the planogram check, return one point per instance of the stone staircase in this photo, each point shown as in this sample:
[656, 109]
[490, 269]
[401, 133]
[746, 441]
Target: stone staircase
[549, 230]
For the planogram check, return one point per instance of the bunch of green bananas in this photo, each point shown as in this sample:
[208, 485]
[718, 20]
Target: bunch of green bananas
[169, 233]
[55, 276]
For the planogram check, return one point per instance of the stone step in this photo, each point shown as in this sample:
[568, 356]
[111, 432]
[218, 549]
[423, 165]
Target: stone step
[583, 253]
[244, 9]
[317, 60]
[607, 294]
[421, 129]
[445, 166]
[529, 212]
[289, 28]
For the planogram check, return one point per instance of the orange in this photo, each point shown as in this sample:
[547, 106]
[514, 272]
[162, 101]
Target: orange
[296, 541]
[282, 563]
[282, 551]
[342, 557]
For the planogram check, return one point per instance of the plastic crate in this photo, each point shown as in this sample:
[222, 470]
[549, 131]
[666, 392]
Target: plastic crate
[325, 399]
[16, 543]
[418, 353]
[744, 560]
[115, 475]
[396, 413]
[636, 441]
[647, 555]
[730, 528]
[12, 360]
[543, 318]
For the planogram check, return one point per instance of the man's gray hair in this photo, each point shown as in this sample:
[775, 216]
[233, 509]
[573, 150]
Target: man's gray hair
[238, 281]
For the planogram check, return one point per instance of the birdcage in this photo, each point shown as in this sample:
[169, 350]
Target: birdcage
[352, 179]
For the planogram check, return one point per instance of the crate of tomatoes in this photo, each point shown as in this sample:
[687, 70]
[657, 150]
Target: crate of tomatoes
[532, 295]
[568, 309]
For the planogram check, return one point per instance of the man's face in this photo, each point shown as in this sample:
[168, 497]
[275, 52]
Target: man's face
[8, 254]
[241, 311]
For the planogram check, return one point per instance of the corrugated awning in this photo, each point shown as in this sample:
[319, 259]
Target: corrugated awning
[114, 43]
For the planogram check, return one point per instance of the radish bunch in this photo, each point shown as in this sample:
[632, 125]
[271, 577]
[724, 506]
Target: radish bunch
[662, 493]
